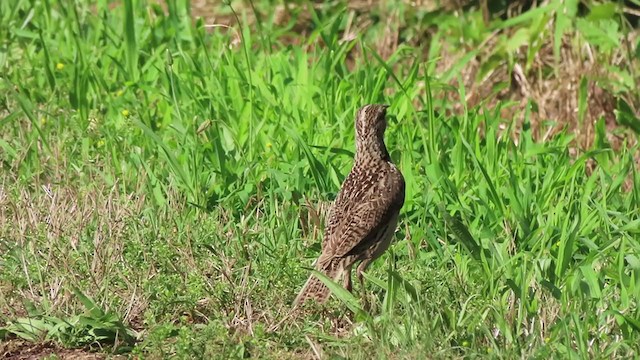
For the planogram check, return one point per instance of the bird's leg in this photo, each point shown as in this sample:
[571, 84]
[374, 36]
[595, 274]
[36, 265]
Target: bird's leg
[361, 267]
[346, 273]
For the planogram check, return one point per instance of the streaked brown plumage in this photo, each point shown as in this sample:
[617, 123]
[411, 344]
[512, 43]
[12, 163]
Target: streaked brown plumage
[364, 216]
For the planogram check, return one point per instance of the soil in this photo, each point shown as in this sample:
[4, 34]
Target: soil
[23, 350]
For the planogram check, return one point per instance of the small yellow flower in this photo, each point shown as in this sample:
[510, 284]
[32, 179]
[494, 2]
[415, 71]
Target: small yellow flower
[465, 343]
[119, 93]
[546, 340]
[100, 143]
[59, 66]
[43, 121]
[125, 113]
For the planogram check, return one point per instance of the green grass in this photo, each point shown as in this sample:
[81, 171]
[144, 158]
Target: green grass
[162, 186]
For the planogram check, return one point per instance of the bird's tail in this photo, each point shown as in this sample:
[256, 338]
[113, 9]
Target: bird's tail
[314, 288]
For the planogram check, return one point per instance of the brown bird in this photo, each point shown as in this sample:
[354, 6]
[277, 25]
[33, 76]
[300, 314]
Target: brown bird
[364, 216]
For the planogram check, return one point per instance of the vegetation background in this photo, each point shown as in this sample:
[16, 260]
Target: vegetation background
[165, 169]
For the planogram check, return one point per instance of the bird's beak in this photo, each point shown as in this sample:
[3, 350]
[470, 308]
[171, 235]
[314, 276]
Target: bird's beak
[384, 109]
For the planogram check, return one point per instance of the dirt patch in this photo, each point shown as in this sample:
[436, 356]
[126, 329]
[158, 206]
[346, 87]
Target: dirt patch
[23, 350]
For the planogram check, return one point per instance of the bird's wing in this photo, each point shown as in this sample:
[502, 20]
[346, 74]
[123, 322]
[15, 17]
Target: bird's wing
[366, 202]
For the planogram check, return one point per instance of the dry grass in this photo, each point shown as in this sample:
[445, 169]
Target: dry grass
[52, 221]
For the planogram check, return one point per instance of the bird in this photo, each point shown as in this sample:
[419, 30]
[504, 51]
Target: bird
[363, 218]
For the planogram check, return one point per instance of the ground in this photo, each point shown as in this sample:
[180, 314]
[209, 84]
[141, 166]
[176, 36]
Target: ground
[166, 170]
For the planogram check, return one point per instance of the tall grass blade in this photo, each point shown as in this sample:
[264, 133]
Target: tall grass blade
[130, 39]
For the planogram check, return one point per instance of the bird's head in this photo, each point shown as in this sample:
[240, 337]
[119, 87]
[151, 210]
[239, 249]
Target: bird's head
[371, 122]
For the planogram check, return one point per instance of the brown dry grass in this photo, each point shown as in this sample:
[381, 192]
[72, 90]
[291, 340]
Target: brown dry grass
[51, 221]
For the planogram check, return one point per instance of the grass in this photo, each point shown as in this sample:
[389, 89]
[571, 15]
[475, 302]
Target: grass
[164, 183]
